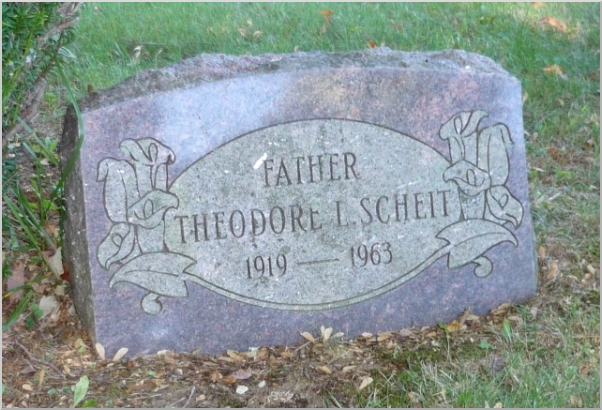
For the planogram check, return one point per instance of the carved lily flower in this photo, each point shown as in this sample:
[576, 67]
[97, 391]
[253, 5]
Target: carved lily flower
[150, 159]
[461, 133]
[136, 198]
[470, 179]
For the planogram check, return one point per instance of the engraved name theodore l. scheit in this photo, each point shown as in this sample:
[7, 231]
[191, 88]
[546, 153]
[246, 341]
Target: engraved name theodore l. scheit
[307, 215]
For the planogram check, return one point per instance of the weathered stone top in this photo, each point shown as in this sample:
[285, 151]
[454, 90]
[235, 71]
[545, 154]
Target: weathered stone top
[214, 67]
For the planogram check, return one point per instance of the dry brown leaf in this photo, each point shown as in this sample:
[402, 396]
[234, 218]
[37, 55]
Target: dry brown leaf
[455, 326]
[51, 227]
[367, 335]
[49, 305]
[227, 380]
[498, 405]
[100, 350]
[308, 336]
[235, 355]
[542, 252]
[327, 15]
[464, 316]
[242, 374]
[324, 369]
[584, 370]
[552, 22]
[371, 44]
[41, 378]
[576, 401]
[27, 370]
[537, 4]
[406, 333]
[384, 336]
[534, 312]
[365, 383]
[27, 387]
[553, 273]
[431, 334]
[326, 332]
[215, 376]
[556, 70]
[120, 353]
[414, 398]
[347, 369]
[17, 278]
[55, 262]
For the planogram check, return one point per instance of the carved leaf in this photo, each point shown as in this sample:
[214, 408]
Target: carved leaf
[120, 190]
[117, 245]
[471, 238]
[504, 206]
[157, 272]
[470, 179]
[150, 209]
[493, 157]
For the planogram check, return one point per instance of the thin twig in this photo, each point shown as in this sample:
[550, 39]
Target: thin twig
[53, 367]
[189, 397]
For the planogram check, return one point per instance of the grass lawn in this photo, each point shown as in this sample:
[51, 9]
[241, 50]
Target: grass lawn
[545, 353]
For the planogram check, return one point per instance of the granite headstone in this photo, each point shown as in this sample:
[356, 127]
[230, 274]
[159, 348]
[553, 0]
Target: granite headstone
[229, 202]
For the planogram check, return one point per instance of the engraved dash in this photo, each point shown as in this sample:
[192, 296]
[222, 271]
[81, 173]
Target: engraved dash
[316, 262]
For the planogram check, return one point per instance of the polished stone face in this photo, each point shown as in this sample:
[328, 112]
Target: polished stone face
[257, 197]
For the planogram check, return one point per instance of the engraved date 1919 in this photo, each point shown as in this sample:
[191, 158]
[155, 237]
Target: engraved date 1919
[374, 254]
[261, 266]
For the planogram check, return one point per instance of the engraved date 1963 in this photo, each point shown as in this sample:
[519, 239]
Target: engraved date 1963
[374, 254]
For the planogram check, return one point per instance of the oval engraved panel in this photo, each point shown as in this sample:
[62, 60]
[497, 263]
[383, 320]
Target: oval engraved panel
[312, 215]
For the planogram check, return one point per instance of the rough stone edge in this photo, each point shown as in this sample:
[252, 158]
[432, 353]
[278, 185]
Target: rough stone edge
[213, 67]
[75, 240]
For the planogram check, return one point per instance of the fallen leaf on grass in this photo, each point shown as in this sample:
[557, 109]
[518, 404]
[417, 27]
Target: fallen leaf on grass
[308, 336]
[365, 383]
[576, 401]
[324, 369]
[552, 22]
[553, 273]
[327, 15]
[371, 44]
[100, 350]
[537, 4]
[556, 70]
[347, 369]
